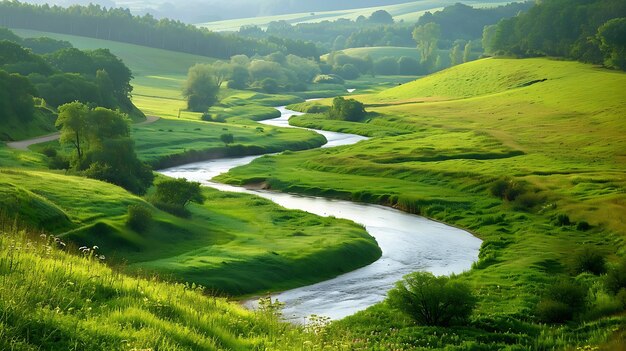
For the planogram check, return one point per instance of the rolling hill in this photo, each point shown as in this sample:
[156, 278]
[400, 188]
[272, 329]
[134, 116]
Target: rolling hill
[407, 12]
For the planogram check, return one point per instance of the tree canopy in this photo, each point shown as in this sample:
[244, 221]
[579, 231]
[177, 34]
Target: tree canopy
[103, 148]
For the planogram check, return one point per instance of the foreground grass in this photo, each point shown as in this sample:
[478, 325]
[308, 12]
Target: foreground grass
[440, 143]
[233, 243]
[51, 299]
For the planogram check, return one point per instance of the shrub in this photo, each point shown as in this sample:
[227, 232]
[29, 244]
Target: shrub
[139, 218]
[583, 226]
[347, 109]
[615, 279]
[563, 220]
[431, 300]
[561, 302]
[270, 86]
[49, 151]
[589, 259]
[227, 138]
[507, 189]
[551, 311]
[173, 195]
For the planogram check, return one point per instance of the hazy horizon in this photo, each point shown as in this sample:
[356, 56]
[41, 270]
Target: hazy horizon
[194, 11]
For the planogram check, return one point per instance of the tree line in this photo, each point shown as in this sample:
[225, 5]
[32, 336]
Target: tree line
[120, 25]
[587, 30]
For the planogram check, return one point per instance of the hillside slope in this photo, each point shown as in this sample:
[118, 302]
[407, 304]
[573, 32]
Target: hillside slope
[57, 298]
[454, 139]
[217, 247]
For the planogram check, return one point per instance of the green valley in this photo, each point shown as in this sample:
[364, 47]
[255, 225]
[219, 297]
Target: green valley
[425, 175]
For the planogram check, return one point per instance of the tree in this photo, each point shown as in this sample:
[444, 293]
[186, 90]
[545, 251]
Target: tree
[201, 88]
[467, 51]
[612, 37]
[178, 192]
[408, 66]
[430, 300]
[239, 77]
[72, 121]
[104, 150]
[382, 17]
[227, 138]
[16, 98]
[347, 110]
[488, 40]
[427, 37]
[386, 66]
[456, 56]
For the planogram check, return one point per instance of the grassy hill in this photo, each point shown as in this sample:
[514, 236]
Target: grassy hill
[377, 53]
[553, 129]
[217, 247]
[57, 298]
[407, 12]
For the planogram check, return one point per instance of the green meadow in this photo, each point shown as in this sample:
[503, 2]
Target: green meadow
[233, 243]
[377, 53]
[60, 298]
[439, 143]
[228, 239]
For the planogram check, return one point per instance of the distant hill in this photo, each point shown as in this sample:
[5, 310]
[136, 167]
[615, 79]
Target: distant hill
[200, 11]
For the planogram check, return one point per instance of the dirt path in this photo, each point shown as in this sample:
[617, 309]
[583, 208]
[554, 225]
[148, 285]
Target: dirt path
[25, 144]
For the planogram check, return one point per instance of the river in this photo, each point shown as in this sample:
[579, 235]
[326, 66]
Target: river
[409, 243]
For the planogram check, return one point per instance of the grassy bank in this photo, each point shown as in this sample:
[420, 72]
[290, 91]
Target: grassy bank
[233, 243]
[52, 297]
[553, 127]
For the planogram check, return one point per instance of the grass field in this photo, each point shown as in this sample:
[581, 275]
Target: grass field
[377, 53]
[555, 126]
[57, 299]
[407, 12]
[233, 243]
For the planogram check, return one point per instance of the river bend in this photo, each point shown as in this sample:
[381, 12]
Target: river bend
[409, 243]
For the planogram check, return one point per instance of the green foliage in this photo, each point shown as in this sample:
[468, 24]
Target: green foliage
[201, 88]
[431, 300]
[119, 24]
[612, 37]
[387, 66]
[562, 301]
[427, 36]
[590, 31]
[347, 109]
[16, 98]
[589, 259]
[102, 145]
[615, 279]
[381, 16]
[139, 218]
[507, 189]
[227, 138]
[45, 45]
[177, 193]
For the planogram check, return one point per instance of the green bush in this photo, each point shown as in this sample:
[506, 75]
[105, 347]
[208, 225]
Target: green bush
[583, 226]
[561, 302]
[589, 259]
[347, 109]
[431, 300]
[507, 189]
[615, 279]
[551, 311]
[563, 220]
[139, 218]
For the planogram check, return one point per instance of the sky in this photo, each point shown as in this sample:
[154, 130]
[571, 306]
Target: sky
[197, 11]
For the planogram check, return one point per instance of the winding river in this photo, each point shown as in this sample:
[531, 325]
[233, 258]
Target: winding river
[409, 243]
